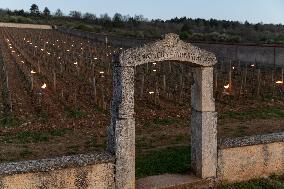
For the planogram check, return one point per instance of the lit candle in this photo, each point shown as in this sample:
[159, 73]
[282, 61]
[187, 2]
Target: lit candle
[43, 86]
[227, 86]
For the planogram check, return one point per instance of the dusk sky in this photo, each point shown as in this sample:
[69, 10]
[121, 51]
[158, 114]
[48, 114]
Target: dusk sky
[266, 11]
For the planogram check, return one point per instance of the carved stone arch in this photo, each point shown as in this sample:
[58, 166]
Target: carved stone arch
[121, 132]
[172, 49]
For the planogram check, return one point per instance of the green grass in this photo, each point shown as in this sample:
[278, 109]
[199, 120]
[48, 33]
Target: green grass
[273, 182]
[265, 113]
[25, 153]
[73, 149]
[159, 121]
[177, 160]
[59, 132]
[142, 143]
[169, 160]
[95, 144]
[43, 116]
[25, 137]
[9, 121]
[77, 113]
[101, 110]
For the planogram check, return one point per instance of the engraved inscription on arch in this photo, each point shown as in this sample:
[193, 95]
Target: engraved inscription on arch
[171, 48]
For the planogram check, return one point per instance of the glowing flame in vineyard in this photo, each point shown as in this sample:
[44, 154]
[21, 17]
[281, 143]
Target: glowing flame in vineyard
[151, 92]
[279, 82]
[33, 72]
[43, 86]
[227, 86]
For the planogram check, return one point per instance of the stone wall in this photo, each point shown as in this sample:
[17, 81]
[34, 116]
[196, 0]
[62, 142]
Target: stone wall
[247, 158]
[262, 54]
[69, 172]
[28, 26]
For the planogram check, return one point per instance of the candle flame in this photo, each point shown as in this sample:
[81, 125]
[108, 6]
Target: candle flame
[151, 92]
[33, 72]
[227, 86]
[43, 86]
[279, 82]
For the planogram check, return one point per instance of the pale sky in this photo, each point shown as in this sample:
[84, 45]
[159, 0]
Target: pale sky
[266, 11]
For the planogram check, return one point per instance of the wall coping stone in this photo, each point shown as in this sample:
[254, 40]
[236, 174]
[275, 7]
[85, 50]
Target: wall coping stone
[250, 140]
[50, 164]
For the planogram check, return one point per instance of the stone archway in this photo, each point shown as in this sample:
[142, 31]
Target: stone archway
[121, 132]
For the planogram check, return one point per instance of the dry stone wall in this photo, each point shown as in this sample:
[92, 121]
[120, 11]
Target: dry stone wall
[246, 158]
[28, 26]
[262, 54]
[68, 172]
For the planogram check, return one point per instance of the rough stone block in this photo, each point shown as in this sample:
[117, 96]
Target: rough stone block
[123, 92]
[125, 153]
[204, 143]
[202, 90]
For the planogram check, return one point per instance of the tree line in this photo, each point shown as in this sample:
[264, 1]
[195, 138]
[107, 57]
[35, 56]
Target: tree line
[211, 30]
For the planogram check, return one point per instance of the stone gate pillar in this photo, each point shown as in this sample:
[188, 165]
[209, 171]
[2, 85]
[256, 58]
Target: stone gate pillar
[121, 132]
[203, 124]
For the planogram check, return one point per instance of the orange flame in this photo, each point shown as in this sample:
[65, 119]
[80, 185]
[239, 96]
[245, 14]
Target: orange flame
[43, 86]
[227, 86]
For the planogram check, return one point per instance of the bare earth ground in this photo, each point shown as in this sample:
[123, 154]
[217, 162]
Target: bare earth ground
[154, 130]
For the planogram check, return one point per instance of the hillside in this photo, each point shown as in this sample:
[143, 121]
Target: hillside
[137, 26]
